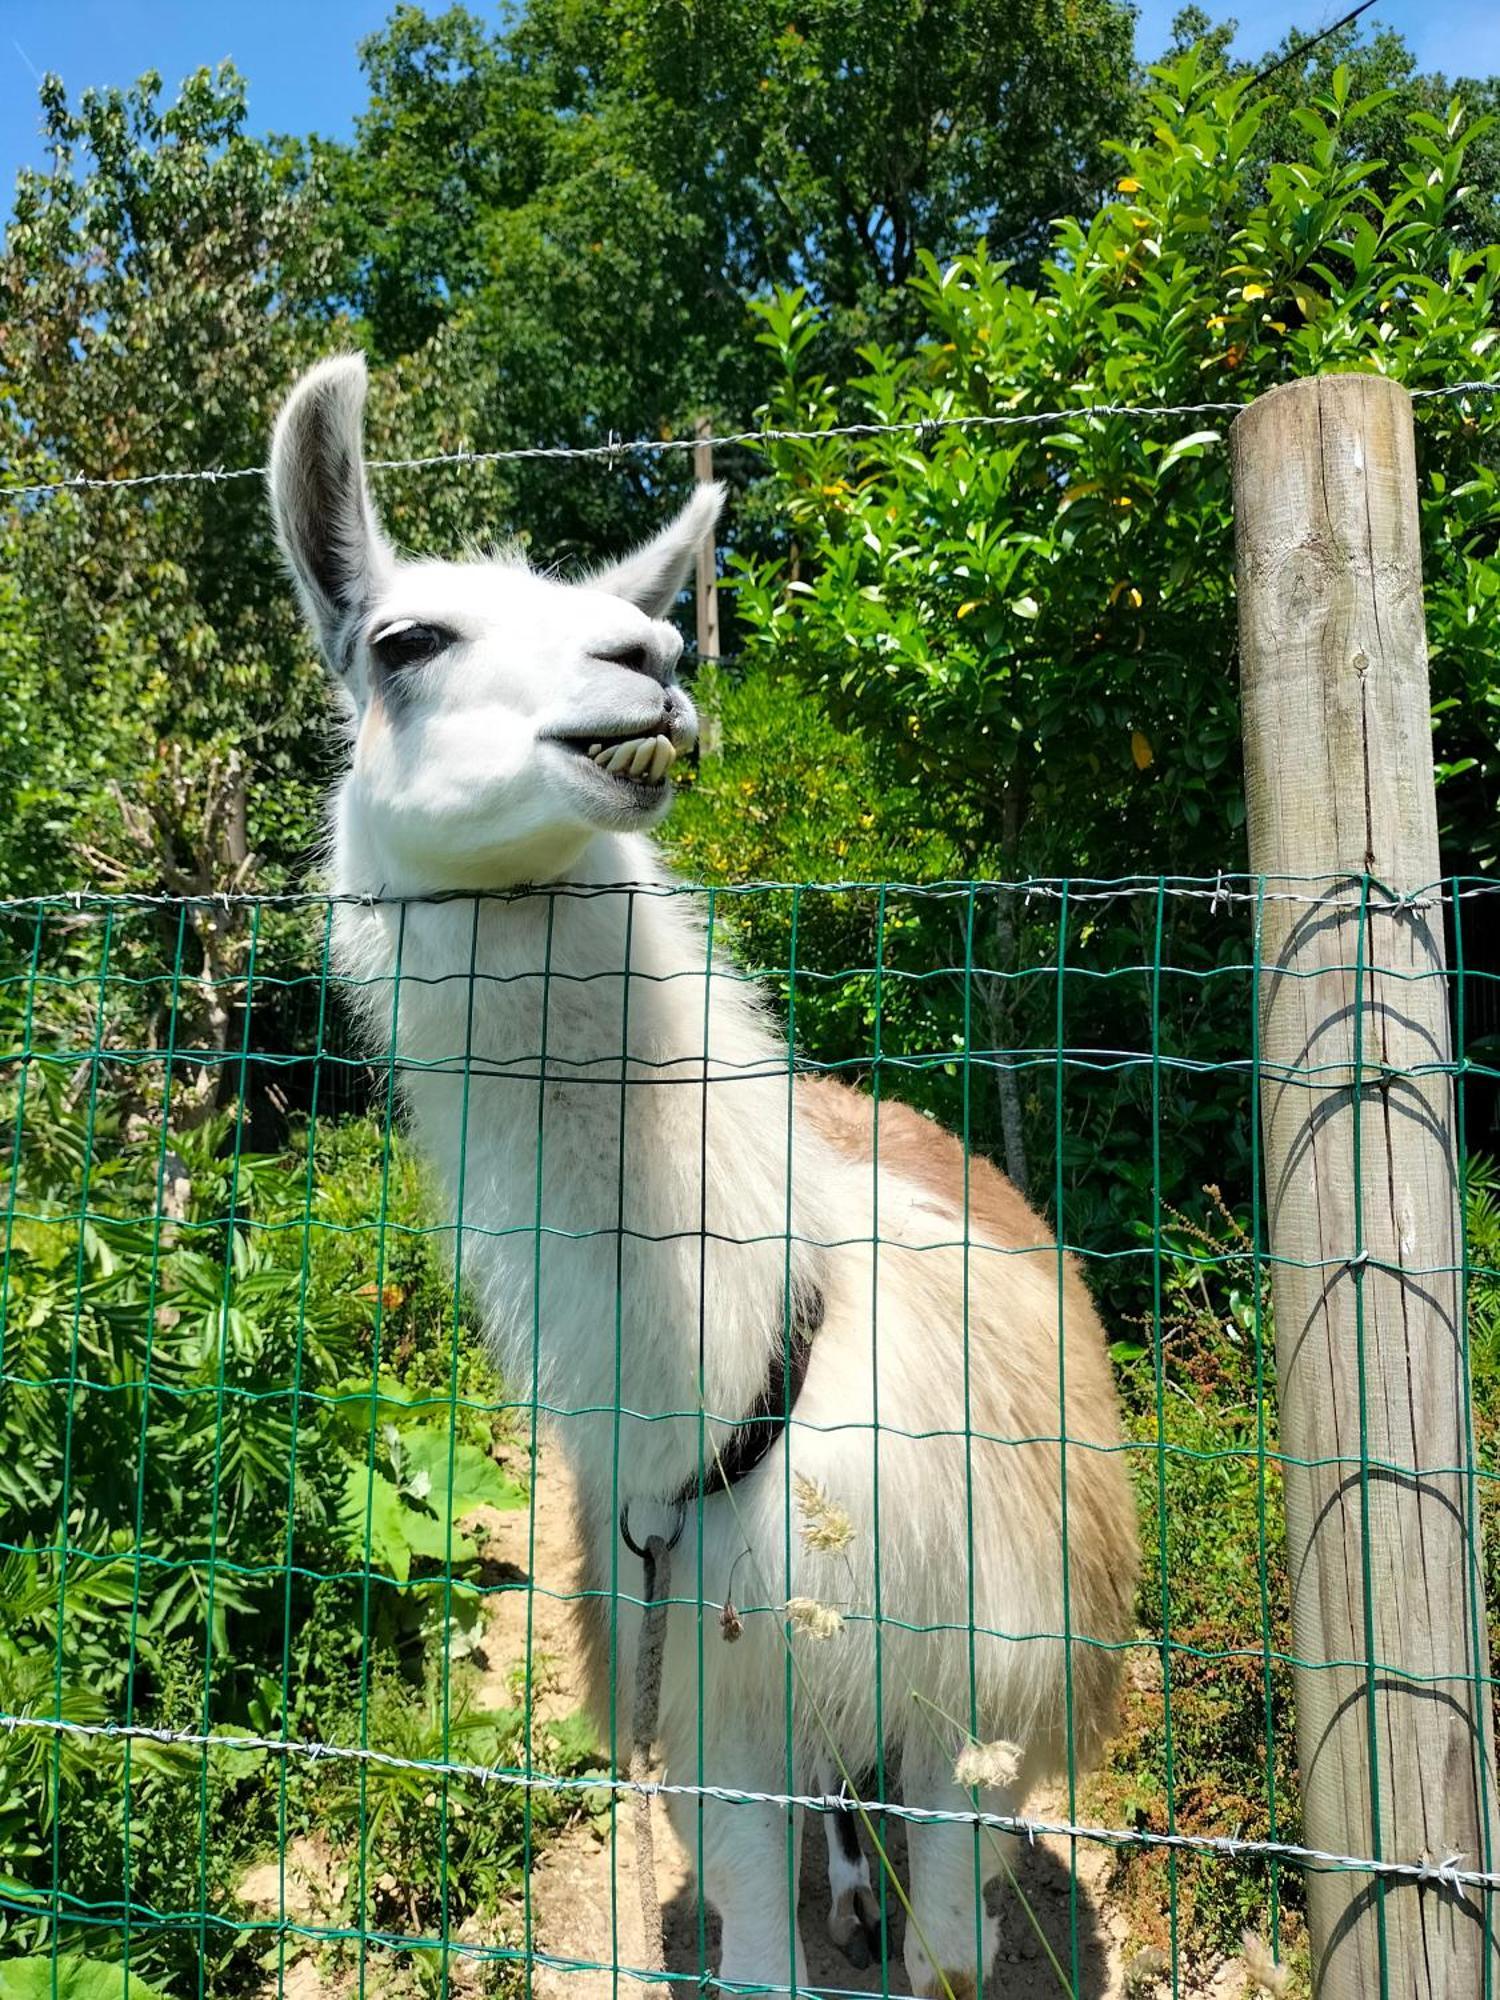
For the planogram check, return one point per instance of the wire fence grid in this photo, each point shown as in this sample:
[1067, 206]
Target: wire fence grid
[276, 1568]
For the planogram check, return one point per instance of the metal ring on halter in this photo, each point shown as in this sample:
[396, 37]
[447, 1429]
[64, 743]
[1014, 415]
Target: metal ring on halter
[671, 1541]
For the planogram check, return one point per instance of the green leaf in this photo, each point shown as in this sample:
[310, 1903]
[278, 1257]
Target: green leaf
[75, 1978]
[1192, 446]
[476, 1479]
[372, 1504]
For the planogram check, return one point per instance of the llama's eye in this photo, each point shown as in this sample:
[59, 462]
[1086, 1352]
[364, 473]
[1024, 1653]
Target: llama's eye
[409, 643]
[636, 658]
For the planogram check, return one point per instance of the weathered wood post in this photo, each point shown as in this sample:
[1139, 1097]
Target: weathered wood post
[710, 731]
[708, 596]
[1394, 1743]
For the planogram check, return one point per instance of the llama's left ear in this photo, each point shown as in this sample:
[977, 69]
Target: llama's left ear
[325, 519]
[652, 577]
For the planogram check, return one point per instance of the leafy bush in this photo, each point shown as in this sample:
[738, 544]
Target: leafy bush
[1038, 621]
[1025, 639]
[237, 1461]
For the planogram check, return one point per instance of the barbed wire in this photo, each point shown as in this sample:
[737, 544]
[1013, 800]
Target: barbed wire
[642, 447]
[1347, 892]
[1447, 1873]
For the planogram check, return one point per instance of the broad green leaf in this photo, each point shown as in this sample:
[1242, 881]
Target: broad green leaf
[70, 1978]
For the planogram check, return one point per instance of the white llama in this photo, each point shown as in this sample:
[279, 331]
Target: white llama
[658, 1219]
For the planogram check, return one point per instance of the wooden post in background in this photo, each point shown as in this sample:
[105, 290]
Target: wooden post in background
[708, 596]
[1394, 1742]
[710, 734]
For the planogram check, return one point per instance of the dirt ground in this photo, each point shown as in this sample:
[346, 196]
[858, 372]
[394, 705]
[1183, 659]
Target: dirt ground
[573, 1919]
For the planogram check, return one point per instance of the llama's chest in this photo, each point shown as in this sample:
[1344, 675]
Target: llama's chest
[614, 1153]
[626, 1243]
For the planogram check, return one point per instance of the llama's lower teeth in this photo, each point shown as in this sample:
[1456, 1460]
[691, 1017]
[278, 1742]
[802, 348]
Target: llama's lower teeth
[644, 759]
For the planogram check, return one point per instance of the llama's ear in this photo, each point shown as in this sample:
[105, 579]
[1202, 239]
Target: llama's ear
[656, 572]
[325, 520]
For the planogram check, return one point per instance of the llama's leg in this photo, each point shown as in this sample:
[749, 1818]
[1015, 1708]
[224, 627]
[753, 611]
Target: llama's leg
[746, 1874]
[957, 1938]
[853, 1912]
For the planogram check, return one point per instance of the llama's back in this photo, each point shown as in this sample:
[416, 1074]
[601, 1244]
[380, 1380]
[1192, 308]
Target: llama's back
[988, 1373]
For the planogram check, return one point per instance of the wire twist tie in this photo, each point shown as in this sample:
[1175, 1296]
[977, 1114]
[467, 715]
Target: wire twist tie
[1219, 895]
[1444, 1873]
[1357, 1262]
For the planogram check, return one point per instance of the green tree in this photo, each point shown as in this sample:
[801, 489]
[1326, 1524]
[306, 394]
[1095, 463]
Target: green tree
[160, 283]
[1376, 61]
[579, 205]
[1049, 605]
[1030, 631]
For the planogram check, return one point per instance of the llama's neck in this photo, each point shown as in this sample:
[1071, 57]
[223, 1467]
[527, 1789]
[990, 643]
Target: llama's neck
[623, 1225]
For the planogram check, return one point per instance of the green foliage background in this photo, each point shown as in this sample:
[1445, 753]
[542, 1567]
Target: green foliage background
[1002, 654]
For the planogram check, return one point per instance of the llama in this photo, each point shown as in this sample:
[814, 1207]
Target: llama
[665, 1230]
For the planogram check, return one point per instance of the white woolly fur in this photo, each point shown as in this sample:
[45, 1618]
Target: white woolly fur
[634, 1209]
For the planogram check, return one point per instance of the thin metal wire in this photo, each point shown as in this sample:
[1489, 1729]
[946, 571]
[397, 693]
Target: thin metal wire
[619, 449]
[1262, 1534]
[1159, 1369]
[1449, 1872]
[143, 1429]
[377, 1334]
[533, 1439]
[75, 1335]
[1065, 1557]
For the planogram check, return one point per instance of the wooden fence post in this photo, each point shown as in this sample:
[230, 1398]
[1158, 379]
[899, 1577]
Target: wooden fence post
[1395, 1745]
[710, 732]
[708, 596]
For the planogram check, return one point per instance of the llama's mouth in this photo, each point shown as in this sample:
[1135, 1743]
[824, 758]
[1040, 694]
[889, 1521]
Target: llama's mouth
[642, 762]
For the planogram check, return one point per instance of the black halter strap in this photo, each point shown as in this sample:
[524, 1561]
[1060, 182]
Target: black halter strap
[758, 1430]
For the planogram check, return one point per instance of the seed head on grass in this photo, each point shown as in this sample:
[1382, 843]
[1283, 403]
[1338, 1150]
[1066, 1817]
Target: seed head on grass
[826, 1528]
[813, 1620]
[996, 1765]
[1264, 1975]
[1149, 1965]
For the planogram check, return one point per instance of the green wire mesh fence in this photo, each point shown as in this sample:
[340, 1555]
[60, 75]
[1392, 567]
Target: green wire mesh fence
[289, 1693]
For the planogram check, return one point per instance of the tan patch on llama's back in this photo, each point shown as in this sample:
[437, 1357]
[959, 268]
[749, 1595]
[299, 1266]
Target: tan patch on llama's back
[1018, 1349]
[924, 1153]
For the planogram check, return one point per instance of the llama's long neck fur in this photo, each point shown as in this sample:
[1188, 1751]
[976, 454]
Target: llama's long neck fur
[608, 1258]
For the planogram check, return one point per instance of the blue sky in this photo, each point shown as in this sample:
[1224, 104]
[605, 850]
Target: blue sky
[1459, 37]
[303, 70]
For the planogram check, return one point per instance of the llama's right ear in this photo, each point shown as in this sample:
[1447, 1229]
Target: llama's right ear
[325, 520]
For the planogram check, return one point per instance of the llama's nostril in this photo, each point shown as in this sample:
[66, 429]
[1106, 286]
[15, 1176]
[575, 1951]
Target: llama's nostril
[636, 658]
